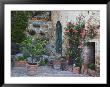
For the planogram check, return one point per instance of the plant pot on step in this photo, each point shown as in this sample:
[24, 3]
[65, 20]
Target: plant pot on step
[76, 70]
[91, 69]
[20, 63]
[31, 69]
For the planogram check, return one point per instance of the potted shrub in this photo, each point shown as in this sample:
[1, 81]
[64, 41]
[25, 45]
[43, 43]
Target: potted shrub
[35, 48]
[57, 63]
[91, 69]
[20, 61]
[77, 66]
[64, 63]
[76, 70]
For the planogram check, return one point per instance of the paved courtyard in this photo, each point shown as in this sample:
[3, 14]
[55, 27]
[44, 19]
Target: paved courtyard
[44, 71]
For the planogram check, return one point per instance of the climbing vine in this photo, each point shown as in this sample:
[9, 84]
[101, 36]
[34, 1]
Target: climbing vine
[79, 33]
[19, 22]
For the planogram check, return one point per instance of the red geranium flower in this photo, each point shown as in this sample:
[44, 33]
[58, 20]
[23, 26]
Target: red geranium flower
[95, 31]
[66, 31]
[75, 31]
[83, 33]
[68, 23]
[80, 45]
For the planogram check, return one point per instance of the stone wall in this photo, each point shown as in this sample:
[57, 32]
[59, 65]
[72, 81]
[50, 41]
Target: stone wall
[67, 16]
[64, 17]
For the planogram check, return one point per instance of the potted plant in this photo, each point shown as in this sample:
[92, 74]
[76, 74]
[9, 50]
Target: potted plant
[64, 63]
[78, 34]
[57, 63]
[20, 61]
[76, 70]
[91, 69]
[77, 66]
[34, 48]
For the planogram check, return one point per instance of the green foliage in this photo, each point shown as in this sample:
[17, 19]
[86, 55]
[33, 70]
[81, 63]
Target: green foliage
[78, 62]
[19, 22]
[33, 48]
[20, 58]
[91, 66]
[42, 63]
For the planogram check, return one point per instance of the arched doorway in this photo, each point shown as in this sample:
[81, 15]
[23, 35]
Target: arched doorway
[59, 37]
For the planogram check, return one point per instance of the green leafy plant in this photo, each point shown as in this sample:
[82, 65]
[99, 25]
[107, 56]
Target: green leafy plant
[91, 66]
[20, 58]
[34, 48]
[19, 23]
[42, 63]
[78, 62]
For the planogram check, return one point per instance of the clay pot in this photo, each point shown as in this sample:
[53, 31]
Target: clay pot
[20, 63]
[76, 70]
[56, 64]
[31, 69]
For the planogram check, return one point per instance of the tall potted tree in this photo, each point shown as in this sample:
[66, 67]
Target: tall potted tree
[33, 49]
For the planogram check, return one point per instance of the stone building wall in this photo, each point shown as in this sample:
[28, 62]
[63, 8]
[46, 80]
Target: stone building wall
[67, 16]
[64, 17]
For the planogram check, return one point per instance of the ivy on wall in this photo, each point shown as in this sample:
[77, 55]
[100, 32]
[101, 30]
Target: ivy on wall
[19, 22]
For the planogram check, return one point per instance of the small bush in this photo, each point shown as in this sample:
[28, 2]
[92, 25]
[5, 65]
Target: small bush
[42, 63]
[91, 66]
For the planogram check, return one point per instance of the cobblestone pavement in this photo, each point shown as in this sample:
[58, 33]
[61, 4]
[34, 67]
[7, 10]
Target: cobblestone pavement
[44, 71]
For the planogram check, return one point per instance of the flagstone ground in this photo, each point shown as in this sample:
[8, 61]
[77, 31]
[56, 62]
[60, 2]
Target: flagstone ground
[44, 71]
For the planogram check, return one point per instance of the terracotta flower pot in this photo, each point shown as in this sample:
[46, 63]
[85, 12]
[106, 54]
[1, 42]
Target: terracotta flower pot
[31, 69]
[20, 63]
[56, 64]
[76, 70]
